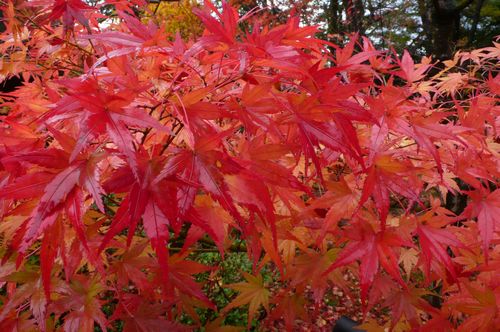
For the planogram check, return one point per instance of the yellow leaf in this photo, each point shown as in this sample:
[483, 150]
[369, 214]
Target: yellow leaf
[371, 325]
[409, 258]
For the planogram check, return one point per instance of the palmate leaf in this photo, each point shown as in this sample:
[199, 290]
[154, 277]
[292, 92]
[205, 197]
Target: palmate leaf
[290, 307]
[57, 192]
[408, 70]
[252, 292]
[29, 185]
[388, 175]
[70, 11]
[80, 296]
[144, 199]
[485, 207]
[479, 303]
[45, 213]
[98, 112]
[372, 249]
[229, 185]
[146, 317]
[31, 287]
[432, 241]
[181, 277]
[309, 269]
[225, 28]
[408, 303]
[53, 188]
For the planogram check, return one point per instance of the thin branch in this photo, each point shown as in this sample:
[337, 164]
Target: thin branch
[171, 137]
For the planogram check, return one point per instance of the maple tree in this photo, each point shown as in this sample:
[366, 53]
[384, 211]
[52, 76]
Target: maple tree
[129, 151]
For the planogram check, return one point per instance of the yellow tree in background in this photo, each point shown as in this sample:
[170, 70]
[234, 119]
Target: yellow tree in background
[177, 16]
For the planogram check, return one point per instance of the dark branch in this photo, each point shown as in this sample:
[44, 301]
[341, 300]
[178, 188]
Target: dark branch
[463, 5]
[436, 4]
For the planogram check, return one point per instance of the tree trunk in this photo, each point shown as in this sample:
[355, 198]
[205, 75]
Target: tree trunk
[477, 15]
[446, 26]
[333, 17]
[444, 19]
[425, 12]
[355, 12]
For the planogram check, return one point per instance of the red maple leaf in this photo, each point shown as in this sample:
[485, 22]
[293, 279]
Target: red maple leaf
[372, 248]
[70, 11]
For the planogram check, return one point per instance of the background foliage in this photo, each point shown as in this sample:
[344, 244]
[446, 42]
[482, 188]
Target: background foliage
[177, 16]
[423, 27]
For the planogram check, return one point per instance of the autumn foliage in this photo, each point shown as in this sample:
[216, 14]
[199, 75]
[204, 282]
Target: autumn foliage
[128, 151]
